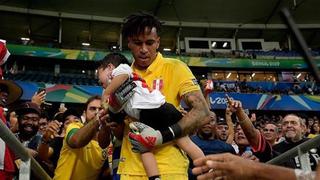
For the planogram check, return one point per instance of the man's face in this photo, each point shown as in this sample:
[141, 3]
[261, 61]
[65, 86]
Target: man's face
[292, 128]
[70, 119]
[104, 75]
[43, 122]
[29, 123]
[144, 47]
[93, 108]
[270, 132]
[240, 138]
[222, 132]
[4, 97]
[206, 131]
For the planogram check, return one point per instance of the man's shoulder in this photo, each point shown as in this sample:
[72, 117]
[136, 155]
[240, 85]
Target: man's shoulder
[279, 145]
[172, 62]
[74, 125]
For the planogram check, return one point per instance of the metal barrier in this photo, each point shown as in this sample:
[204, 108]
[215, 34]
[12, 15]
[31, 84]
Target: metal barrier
[304, 147]
[24, 174]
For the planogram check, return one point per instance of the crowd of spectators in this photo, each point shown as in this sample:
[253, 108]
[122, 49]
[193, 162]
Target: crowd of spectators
[73, 145]
[285, 88]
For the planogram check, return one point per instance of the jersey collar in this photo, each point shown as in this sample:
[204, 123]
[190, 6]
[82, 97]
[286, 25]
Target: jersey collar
[156, 63]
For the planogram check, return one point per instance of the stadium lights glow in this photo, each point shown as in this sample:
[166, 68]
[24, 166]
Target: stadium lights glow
[298, 75]
[114, 47]
[83, 71]
[166, 49]
[253, 74]
[225, 44]
[85, 44]
[214, 44]
[25, 39]
[228, 75]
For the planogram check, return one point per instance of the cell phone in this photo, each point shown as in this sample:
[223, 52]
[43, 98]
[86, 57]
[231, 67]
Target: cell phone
[41, 90]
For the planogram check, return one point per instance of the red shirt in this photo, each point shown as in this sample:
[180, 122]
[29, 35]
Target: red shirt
[8, 159]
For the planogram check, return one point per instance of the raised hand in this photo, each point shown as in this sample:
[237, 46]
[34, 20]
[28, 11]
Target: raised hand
[39, 98]
[143, 137]
[233, 105]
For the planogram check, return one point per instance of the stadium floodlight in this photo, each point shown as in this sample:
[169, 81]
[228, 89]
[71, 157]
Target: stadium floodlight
[25, 39]
[225, 44]
[298, 75]
[85, 44]
[214, 44]
[166, 49]
[228, 75]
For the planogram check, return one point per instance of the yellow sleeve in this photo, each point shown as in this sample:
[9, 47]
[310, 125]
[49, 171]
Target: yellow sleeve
[71, 126]
[187, 80]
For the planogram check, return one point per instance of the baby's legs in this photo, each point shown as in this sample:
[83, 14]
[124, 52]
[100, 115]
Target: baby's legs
[150, 164]
[189, 147]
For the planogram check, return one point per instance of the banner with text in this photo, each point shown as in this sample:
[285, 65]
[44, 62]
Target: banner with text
[267, 101]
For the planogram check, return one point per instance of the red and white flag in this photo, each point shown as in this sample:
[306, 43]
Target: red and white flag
[157, 84]
[4, 53]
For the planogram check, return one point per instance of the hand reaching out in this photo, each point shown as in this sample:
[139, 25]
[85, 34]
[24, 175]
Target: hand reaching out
[223, 166]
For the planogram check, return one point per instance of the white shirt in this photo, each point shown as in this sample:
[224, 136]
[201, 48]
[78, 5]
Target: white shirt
[143, 98]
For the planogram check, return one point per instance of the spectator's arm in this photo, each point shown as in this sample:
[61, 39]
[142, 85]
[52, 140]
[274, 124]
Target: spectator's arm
[230, 126]
[77, 138]
[44, 150]
[104, 132]
[252, 134]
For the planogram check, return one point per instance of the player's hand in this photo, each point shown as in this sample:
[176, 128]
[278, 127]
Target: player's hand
[143, 137]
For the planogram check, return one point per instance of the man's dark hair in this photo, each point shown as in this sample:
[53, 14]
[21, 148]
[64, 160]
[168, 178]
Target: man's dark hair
[136, 23]
[113, 58]
[92, 98]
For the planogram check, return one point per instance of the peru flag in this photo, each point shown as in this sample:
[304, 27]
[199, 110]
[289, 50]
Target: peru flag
[4, 53]
[158, 84]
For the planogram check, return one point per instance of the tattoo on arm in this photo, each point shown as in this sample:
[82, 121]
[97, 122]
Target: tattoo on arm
[198, 115]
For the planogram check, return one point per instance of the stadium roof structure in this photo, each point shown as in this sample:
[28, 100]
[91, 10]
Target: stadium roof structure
[99, 22]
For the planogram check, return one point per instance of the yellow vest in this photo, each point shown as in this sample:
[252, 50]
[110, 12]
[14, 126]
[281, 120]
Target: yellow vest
[174, 79]
[79, 163]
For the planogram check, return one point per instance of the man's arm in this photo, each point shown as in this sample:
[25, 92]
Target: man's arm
[230, 126]
[197, 116]
[249, 130]
[228, 166]
[77, 138]
[44, 150]
[104, 132]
